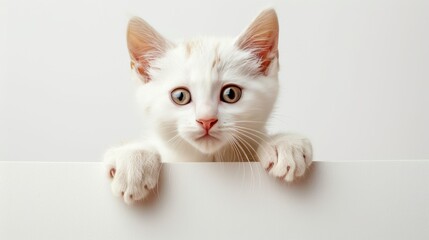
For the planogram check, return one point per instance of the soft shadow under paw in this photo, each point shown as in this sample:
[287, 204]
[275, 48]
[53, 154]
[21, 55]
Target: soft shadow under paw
[154, 194]
[301, 181]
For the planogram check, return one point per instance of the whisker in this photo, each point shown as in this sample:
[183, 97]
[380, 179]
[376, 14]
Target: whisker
[253, 134]
[244, 152]
[246, 134]
[247, 146]
[235, 148]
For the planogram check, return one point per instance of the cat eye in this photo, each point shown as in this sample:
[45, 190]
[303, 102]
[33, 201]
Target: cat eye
[230, 94]
[181, 96]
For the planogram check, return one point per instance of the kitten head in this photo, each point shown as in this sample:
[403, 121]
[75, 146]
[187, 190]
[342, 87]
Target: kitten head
[206, 92]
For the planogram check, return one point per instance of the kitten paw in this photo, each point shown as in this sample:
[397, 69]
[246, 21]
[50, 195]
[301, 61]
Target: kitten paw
[286, 156]
[134, 172]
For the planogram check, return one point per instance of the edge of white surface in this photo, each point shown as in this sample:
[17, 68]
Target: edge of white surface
[338, 200]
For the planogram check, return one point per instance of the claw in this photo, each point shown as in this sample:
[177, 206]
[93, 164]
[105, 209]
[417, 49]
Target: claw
[270, 165]
[112, 172]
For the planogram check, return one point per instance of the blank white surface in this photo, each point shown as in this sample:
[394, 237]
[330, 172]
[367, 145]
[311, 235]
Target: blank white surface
[339, 200]
[354, 74]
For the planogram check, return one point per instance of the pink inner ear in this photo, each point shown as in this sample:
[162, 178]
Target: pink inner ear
[145, 44]
[137, 49]
[264, 56]
[141, 69]
[261, 38]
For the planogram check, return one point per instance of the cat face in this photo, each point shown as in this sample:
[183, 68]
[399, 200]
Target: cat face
[206, 92]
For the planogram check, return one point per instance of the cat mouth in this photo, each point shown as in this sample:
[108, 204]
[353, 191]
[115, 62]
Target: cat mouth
[206, 137]
[208, 143]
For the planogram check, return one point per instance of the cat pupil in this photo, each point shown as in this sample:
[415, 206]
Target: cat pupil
[230, 93]
[180, 96]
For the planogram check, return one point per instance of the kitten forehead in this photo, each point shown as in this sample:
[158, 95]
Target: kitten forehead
[213, 58]
[203, 57]
[199, 45]
[203, 47]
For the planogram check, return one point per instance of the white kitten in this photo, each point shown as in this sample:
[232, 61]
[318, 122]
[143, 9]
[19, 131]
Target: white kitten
[205, 100]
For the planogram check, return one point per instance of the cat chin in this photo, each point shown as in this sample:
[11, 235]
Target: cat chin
[207, 145]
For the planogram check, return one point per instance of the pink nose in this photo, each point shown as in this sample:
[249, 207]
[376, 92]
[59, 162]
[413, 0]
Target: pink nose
[207, 123]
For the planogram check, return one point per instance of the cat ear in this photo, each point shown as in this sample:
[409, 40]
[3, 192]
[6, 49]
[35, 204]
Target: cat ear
[145, 44]
[261, 38]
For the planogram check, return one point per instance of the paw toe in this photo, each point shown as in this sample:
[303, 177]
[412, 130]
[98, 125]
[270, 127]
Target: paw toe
[135, 194]
[118, 189]
[300, 163]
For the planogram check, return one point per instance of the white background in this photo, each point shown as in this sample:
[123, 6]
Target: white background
[354, 74]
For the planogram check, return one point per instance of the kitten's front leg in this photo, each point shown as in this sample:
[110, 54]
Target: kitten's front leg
[286, 156]
[134, 169]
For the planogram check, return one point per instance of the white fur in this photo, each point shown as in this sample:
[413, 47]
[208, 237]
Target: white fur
[204, 66]
[137, 168]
